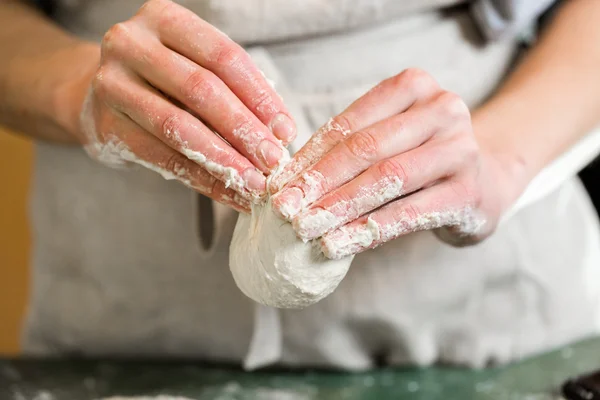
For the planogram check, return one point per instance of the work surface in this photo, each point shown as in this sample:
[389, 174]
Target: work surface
[534, 379]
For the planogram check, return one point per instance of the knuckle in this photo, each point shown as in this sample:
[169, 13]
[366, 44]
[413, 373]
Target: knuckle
[161, 14]
[116, 37]
[453, 106]
[226, 53]
[175, 163]
[245, 133]
[209, 185]
[228, 158]
[344, 122]
[152, 5]
[170, 126]
[264, 103]
[203, 181]
[341, 199]
[363, 145]
[167, 15]
[416, 81]
[313, 184]
[392, 168]
[213, 185]
[410, 211]
[199, 85]
[240, 200]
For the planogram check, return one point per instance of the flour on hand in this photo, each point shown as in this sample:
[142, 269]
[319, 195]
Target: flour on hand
[272, 266]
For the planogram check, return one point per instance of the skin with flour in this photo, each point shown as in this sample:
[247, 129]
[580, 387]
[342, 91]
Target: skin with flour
[376, 172]
[409, 156]
[519, 131]
[165, 90]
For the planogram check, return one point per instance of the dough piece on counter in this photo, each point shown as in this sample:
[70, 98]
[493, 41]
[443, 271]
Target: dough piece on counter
[273, 267]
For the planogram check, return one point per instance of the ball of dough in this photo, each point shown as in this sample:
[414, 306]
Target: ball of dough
[273, 267]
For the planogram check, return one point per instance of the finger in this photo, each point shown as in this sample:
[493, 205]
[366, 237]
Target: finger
[390, 97]
[349, 158]
[201, 91]
[179, 130]
[189, 35]
[432, 208]
[136, 145]
[380, 184]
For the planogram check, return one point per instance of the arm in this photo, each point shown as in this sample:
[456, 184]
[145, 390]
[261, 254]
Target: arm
[41, 65]
[153, 93]
[407, 156]
[552, 99]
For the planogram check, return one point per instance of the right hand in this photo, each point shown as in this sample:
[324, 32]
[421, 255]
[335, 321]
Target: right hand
[167, 81]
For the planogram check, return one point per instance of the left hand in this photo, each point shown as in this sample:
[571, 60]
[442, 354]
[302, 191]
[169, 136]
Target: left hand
[406, 145]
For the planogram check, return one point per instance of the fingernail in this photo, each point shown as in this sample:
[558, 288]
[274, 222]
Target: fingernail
[270, 153]
[288, 202]
[255, 181]
[283, 128]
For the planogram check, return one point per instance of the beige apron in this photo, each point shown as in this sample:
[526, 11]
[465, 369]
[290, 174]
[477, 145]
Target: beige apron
[120, 268]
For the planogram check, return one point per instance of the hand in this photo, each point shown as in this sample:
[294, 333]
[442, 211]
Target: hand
[402, 158]
[167, 81]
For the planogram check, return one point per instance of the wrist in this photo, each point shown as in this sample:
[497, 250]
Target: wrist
[76, 68]
[513, 167]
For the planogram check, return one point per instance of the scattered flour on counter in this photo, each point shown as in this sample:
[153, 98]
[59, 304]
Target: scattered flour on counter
[272, 266]
[161, 397]
[413, 387]
[18, 395]
[44, 395]
[233, 390]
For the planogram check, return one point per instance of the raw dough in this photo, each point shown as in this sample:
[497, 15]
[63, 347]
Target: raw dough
[273, 267]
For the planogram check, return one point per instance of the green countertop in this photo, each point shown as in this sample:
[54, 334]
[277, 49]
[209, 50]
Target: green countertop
[537, 378]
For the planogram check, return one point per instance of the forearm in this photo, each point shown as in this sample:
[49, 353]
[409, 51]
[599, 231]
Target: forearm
[42, 64]
[551, 100]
